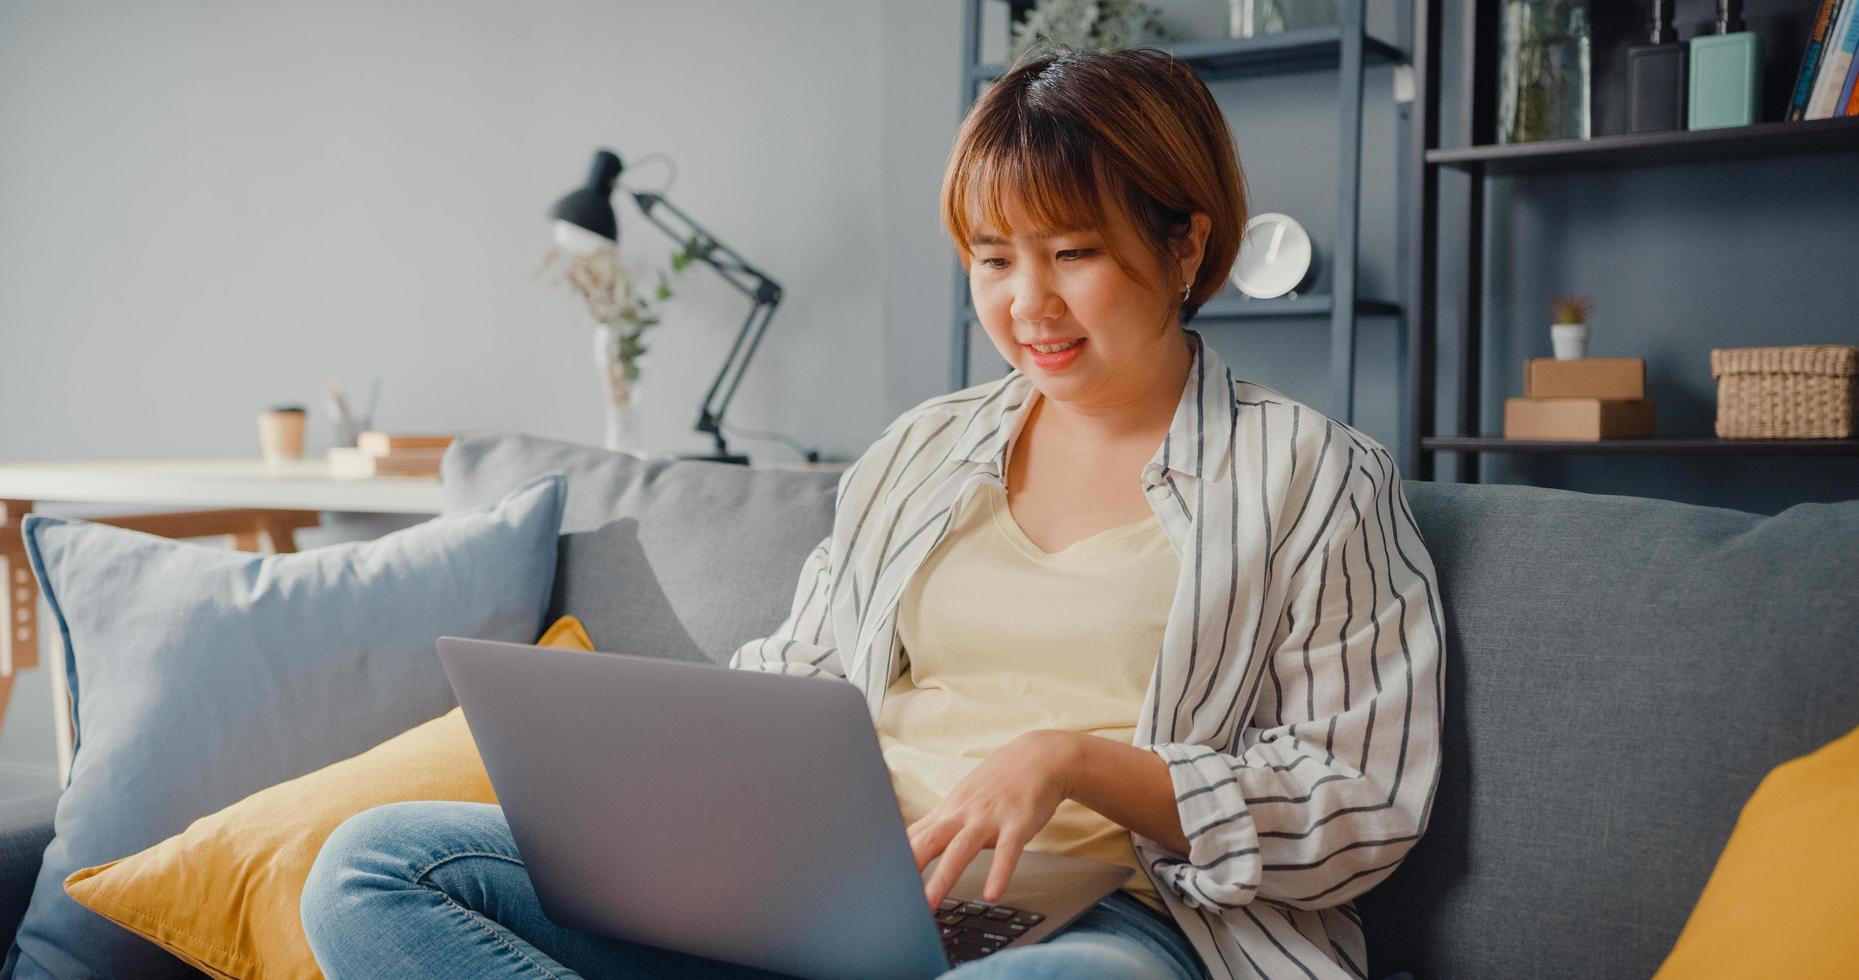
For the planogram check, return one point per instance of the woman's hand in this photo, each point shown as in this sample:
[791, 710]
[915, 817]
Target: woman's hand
[1002, 804]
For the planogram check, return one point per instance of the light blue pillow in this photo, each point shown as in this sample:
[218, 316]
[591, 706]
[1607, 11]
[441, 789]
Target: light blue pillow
[200, 675]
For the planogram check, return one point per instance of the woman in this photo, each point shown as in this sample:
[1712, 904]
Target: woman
[1117, 604]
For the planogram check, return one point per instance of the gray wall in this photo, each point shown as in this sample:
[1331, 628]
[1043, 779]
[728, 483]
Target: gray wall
[208, 207]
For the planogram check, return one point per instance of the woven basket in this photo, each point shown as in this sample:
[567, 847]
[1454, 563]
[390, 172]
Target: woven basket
[1800, 392]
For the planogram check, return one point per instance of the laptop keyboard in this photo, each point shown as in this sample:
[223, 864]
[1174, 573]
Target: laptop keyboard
[971, 930]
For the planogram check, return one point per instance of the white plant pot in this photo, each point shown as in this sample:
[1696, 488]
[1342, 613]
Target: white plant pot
[619, 397]
[1570, 340]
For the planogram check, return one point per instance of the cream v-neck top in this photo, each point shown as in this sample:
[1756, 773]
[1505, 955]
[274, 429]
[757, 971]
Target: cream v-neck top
[1001, 638]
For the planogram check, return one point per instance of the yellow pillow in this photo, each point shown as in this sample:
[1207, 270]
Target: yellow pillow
[1784, 897]
[223, 894]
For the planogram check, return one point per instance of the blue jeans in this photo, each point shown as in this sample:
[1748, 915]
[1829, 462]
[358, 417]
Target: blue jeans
[437, 890]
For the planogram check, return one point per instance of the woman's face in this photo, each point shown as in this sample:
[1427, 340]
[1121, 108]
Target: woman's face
[1034, 289]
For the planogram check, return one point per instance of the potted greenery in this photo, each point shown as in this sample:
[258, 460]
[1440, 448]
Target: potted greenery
[1569, 332]
[1088, 25]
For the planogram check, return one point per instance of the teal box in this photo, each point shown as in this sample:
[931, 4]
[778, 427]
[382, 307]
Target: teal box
[1726, 80]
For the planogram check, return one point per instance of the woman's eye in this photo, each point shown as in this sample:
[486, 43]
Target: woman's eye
[1070, 255]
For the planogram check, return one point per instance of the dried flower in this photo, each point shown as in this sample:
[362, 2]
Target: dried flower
[606, 288]
[1571, 309]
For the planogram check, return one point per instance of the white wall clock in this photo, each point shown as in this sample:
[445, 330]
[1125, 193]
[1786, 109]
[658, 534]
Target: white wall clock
[1275, 257]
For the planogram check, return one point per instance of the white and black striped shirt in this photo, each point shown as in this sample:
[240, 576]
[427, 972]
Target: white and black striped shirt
[1297, 693]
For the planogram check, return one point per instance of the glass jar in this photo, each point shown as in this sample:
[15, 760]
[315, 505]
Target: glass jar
[1253, 18]
[1543, 71]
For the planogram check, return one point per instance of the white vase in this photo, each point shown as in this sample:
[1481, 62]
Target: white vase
[1570, 340]
[619, 397]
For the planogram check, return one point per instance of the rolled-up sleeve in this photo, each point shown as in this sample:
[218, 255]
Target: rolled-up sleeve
[1336, 767]
[803, 645]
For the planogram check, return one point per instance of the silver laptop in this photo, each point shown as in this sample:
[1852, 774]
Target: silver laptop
[731, 814]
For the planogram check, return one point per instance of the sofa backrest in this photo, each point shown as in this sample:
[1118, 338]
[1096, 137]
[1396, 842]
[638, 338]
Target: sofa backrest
[682, 559]
[1620, 674]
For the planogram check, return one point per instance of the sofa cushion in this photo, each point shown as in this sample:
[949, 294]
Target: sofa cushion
[25, 829]
[200, 675]
[683, 559]
[1621, 673]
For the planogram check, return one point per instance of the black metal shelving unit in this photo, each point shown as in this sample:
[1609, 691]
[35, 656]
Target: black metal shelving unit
[1346, 49]
[1479, 156]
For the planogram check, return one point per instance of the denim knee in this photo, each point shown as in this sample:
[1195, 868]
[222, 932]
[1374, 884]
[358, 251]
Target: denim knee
[382, 849]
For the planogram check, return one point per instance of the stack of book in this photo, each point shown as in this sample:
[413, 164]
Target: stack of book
[389, 454]
[1583, 399]
[1827, 86]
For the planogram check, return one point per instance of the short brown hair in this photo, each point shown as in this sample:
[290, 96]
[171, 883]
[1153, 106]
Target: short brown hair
[1063, 126]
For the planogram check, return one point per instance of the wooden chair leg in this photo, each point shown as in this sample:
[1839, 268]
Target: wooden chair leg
[279, 536]
[6, 696]
[19, 595]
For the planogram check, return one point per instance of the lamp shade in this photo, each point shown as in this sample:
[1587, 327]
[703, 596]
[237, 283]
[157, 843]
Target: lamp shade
[588, 210]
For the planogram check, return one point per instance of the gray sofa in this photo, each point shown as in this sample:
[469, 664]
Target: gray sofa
[1620, 674]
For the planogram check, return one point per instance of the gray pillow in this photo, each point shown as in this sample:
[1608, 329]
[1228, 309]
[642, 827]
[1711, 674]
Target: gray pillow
[200, 675]
[659, 556]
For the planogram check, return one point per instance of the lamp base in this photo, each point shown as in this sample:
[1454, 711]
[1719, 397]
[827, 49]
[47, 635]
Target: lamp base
[718, 458]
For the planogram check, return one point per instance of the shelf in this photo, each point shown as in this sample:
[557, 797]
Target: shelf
[1651, 447]
[1311, 49]
[1230, 306]
[1654, 149]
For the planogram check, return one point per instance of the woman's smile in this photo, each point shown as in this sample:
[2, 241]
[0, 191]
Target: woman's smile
[1054, 360]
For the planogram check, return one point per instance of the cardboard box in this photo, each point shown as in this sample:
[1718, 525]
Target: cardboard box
[1577, 419]
[1585, 377]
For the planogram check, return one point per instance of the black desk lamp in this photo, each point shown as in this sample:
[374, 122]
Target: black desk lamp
[585, 221]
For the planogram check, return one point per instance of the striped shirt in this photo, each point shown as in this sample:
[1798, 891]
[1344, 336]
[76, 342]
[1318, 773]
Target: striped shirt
[1297, 693]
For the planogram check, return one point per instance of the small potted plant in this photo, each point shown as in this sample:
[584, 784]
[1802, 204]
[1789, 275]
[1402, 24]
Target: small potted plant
[1089, 25]
[1569, 332]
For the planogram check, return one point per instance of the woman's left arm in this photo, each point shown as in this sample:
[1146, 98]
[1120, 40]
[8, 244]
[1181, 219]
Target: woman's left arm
[1332, 780]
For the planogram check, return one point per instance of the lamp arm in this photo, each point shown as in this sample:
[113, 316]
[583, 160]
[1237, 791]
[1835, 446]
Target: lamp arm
[649, 203]
[765, 294]
[712, 421]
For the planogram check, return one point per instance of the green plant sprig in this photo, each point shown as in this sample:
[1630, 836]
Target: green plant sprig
[1571, 309]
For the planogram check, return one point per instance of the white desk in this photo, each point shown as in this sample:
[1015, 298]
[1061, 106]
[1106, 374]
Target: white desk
[214, 483]
[258, 505]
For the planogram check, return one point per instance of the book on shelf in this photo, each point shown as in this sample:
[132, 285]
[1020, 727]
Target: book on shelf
[1836, 60]
[1846, 105]
[1810, 60]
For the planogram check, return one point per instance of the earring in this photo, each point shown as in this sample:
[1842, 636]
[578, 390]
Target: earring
[1185, 290]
